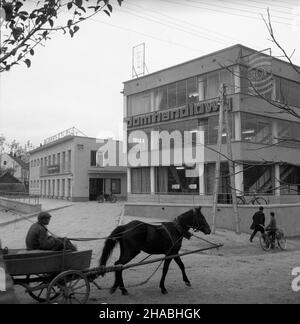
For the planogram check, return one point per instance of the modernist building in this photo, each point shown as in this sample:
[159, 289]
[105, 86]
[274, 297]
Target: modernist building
[185, 97]
[72, 167]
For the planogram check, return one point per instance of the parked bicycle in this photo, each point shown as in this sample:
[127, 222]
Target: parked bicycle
[107, 198]
[254, 200]
[267, 242]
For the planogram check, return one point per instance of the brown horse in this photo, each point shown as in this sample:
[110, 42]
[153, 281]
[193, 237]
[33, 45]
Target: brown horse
[166, 238]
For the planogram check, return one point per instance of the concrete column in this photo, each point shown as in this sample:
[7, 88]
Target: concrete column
[273, 96]
[237, 79]
[238, 126]
[49, 187]
[128, 181]
[152, 180]
[201, 88]
[239, 179]
[277, 180]
[274, 131]
[201, 179]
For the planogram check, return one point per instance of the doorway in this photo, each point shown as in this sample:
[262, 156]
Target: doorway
[96, 188]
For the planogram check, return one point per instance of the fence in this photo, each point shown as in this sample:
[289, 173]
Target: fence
[21, 196]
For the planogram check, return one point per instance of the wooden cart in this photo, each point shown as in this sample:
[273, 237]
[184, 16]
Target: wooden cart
[51, 275]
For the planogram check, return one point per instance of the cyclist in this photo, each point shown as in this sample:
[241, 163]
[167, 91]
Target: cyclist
[271, 229]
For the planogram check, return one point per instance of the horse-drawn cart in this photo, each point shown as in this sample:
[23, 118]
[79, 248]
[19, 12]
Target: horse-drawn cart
[65, 276]
[51, 276]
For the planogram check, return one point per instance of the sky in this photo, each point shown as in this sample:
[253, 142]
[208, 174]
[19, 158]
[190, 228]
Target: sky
[78, 81]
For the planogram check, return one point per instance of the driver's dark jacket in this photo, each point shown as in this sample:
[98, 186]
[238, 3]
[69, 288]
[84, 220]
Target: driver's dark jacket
[38, 239]
[258, 219]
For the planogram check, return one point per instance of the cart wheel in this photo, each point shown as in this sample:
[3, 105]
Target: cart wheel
[73, 287]
[39, 295]
[265, 242]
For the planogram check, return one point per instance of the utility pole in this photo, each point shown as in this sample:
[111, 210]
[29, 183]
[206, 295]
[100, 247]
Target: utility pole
[231, 165]
[222, 97]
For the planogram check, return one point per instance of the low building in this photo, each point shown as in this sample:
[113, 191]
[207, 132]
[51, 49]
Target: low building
[72, 167]
[17, 166]
[10, 184]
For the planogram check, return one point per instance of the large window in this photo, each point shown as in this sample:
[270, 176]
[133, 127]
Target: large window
[289, 179]
[140, 180]
[256, 128]
[287, 91]
[180, 93]
[288, 133]
[210, 126]
[177, 180]
[139, 103]
[259, 179]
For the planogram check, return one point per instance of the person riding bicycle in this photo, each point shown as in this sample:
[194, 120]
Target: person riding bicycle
[271, 229]
[258, 224]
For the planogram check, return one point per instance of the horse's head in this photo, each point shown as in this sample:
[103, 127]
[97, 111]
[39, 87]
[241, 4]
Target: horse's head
[199, 222]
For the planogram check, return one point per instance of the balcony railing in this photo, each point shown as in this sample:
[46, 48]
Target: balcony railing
[47, 170]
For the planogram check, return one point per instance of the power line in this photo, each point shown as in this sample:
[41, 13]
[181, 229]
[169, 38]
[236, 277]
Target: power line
[173, 25]
[223, 36]
[273, 4]
[222, 11]
[265, 6]
[230, 8]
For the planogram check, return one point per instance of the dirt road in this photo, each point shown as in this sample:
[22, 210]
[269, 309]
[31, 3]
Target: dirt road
[239, 272]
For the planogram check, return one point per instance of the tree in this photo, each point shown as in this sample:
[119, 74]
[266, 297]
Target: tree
[28, 23]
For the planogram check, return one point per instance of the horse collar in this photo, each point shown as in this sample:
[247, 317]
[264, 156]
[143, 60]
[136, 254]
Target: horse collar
[181, 230]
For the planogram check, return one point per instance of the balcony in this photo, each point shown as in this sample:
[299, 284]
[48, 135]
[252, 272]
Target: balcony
[54, 169]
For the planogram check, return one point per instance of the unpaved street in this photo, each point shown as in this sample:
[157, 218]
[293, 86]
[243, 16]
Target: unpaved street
[239, 272]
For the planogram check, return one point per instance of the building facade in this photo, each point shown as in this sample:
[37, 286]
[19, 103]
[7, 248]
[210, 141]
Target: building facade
[70, 168]
[185, 98]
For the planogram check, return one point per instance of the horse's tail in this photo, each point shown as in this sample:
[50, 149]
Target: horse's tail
[110, 243]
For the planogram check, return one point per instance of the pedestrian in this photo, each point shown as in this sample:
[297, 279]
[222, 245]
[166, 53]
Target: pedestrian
[258, 224]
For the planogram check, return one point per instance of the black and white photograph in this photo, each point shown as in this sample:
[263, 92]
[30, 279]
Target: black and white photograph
[150, 155]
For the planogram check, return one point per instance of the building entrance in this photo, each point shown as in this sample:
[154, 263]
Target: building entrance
[96, 188]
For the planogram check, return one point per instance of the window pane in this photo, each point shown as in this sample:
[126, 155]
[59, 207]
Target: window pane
[192, 90]
[115, 186]
[181, 93]
[249, 127]
[227, 78]
[139, 103]
[211, 88]
[213, 126]
[160, 98]
[172, 95]
[93, 158]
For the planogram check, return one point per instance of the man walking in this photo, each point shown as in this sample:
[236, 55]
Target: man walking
[258, 224]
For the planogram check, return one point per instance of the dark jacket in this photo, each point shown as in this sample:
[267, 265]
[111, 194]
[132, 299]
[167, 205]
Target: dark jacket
[258, 219]
[38, 239]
